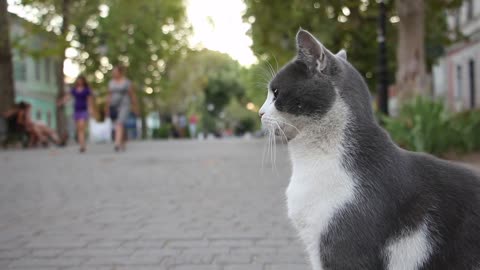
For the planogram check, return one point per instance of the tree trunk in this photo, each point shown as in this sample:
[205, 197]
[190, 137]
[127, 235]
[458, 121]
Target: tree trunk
[61, 119]
[142, 111]
[411, 79]
[7, 91]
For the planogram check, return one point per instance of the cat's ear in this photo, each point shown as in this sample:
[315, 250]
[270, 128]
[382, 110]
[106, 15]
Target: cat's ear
[310, 50]
[342, 54]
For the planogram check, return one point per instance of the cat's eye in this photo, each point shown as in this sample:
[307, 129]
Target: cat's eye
[275, 92]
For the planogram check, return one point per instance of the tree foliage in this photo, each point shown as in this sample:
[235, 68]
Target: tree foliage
[204, 82]
[197, 77]
[275, 24]
[348, 24]
[59, 16]
[142, 35]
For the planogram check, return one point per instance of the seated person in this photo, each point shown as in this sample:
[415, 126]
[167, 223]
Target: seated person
[38, 132]
[13, 125]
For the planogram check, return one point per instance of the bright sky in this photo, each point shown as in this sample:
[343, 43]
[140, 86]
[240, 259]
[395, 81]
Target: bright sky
[218, 25]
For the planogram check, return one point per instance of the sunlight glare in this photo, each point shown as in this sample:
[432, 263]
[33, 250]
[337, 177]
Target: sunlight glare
[218, 26]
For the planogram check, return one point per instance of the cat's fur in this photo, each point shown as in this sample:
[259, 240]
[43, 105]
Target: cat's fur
[357, 200]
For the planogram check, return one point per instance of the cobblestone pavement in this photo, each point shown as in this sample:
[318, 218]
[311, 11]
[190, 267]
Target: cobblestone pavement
[161, 205]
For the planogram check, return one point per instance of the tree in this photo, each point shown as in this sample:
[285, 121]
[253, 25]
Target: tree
[204, 82]
[60, 115]
[7, 89]
[70, 13]
[145, 36]
[352, 24]
[190, 76]
[411, 75]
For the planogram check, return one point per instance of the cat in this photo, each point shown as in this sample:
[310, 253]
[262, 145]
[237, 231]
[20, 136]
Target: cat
[357, 200]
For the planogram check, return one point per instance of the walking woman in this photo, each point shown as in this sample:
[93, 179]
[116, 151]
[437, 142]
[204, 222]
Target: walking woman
[120, 101]
[83, 105]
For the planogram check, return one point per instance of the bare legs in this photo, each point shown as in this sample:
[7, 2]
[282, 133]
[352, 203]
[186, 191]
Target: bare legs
[43, 133]
[119, 136]
[81, 126]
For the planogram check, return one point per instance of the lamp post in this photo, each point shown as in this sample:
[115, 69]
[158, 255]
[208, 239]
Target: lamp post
[382, 87]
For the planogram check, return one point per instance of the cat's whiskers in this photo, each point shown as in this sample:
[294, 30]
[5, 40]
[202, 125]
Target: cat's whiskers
[272, 70]
[270, 143]
[276, 62]
[278, 127]
[268, 75]
[282, 133]
[273, 126]
[264, 151]
[273, 149]
[282, 121]
[270, 140]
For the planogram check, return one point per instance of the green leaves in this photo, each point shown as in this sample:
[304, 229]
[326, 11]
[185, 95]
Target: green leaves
[338, 24]
[348, 24]
[426, 126]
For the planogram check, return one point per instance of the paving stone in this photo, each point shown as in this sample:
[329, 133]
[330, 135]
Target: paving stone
[47, 252]
[161, 205]
[244, 267]
[122, 260]
[47, 242]
[45, 262]
[195, 267]
[231, 243]
[228, 259]
[98, 252]
[287, 267]
[13, 253]
[187, 243]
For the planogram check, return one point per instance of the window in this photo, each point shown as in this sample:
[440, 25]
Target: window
[457, 20]
[54, 66]
[20, 69]
[38, 66]
[471, 77]
[49, 119]
[470, 10]
[47, 70]
[38, 115]
[458, 90]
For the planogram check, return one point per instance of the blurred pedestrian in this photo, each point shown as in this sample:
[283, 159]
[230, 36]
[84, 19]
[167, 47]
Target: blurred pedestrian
[175, 127]
[192, 125]
[120, 102]
[82, 108]
[182, 125]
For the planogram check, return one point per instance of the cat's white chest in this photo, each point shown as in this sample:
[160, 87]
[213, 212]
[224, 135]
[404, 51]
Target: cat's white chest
[319, 187]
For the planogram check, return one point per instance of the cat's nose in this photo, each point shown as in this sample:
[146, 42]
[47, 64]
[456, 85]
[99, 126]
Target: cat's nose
[261, 114]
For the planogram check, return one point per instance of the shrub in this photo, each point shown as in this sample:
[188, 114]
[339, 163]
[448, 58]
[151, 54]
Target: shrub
[466, 131]
[162, 132]
[425, 125]
[422, 125]
[246, 124]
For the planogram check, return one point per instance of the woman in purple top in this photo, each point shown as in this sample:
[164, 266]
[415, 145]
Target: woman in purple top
[82, 97]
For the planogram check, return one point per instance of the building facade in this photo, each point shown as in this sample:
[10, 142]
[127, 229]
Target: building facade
[34, 75]
[456, 76]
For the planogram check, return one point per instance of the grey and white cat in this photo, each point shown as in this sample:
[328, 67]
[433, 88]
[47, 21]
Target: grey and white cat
[357, 200]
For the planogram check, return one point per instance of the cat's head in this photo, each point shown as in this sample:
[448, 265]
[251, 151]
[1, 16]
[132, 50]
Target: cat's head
[316, 88]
